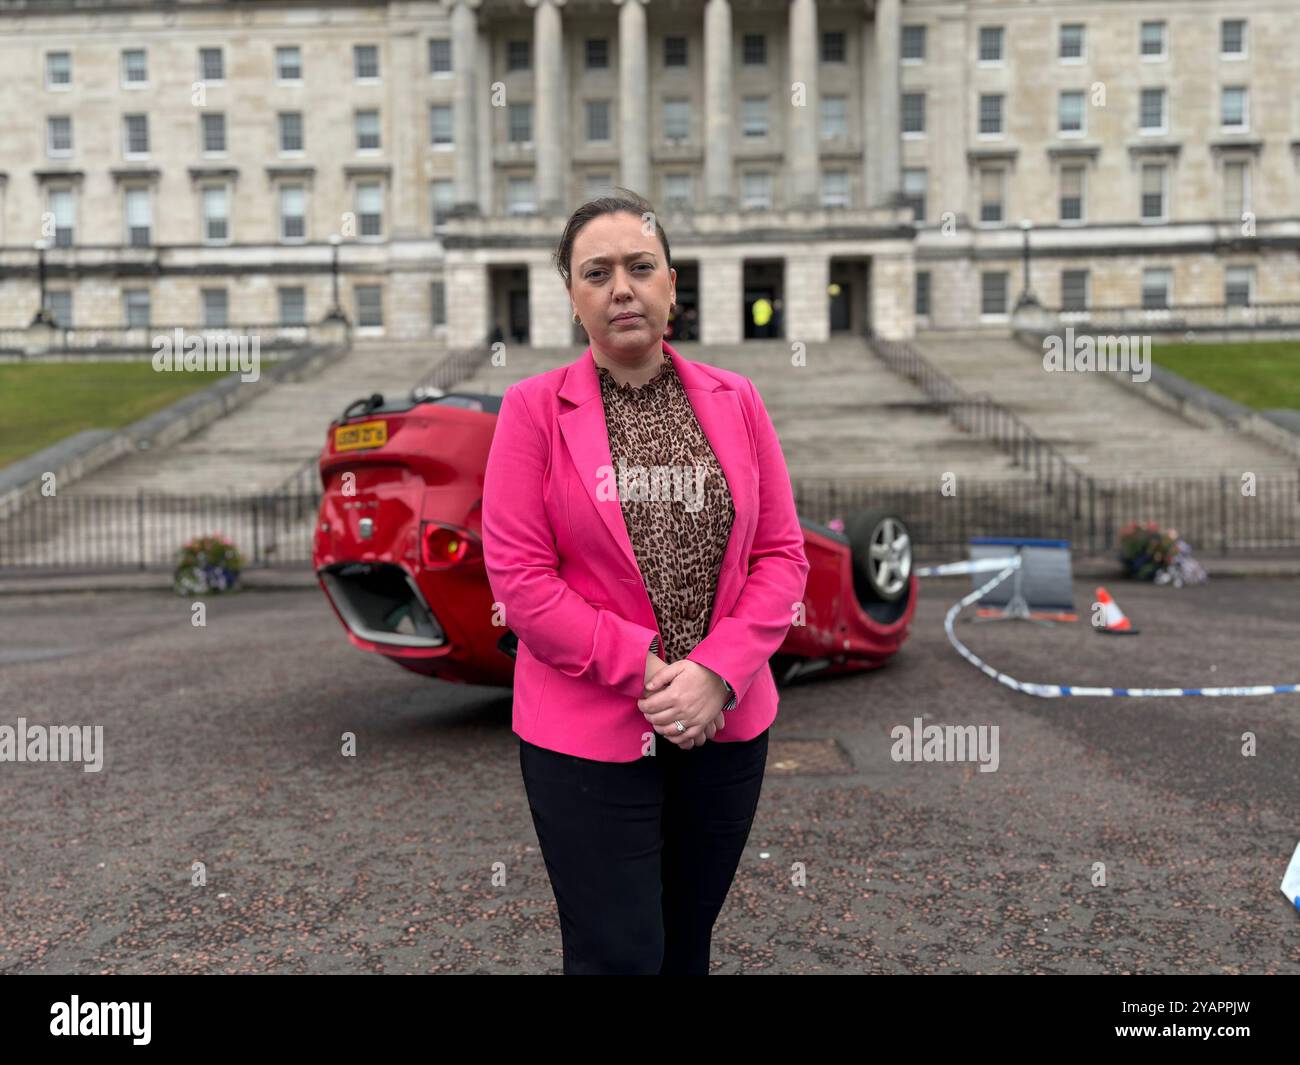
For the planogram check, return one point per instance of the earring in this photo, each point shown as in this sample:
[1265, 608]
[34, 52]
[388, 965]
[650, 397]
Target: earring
[575, 317]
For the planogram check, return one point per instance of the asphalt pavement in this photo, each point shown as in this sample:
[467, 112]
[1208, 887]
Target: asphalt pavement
[223, 746]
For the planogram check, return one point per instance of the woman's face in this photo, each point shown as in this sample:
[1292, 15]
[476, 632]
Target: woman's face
[617, 270]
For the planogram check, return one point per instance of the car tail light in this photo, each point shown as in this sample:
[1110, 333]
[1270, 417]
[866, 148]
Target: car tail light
[443, 546]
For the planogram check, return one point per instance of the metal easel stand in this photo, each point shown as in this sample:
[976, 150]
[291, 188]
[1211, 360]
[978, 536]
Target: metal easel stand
[1017, 608]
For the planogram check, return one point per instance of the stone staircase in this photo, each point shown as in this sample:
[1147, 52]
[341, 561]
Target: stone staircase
[1101, 426]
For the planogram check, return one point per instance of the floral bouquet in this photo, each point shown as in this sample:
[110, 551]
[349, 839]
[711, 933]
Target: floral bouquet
[1149, 553]
[207, 564]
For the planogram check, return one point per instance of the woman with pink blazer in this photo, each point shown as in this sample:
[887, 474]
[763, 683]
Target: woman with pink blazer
[641, 541]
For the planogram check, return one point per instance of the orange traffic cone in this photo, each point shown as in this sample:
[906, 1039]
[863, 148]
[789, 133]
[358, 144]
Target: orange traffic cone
[1115, 623]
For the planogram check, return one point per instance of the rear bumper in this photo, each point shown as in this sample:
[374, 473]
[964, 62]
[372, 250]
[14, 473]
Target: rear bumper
[381, 605]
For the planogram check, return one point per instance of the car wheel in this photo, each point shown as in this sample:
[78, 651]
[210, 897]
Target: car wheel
[882, 554]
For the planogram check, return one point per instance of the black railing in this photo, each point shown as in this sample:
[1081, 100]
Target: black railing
[1129, 318]
[1216, 515]
[983, 416]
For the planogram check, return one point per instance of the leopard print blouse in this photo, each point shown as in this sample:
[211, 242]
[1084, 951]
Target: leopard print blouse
[678, 525]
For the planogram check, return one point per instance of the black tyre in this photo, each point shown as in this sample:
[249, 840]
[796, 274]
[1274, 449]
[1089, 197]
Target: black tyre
[882, 555]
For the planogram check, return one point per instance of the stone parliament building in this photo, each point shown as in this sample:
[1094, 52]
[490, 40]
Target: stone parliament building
[867, 165]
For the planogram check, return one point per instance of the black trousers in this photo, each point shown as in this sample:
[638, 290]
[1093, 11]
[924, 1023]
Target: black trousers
[641, 854]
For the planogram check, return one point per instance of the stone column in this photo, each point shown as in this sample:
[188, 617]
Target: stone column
[465, 98]
[803, 158]
[485, 192]
[888, 87]
[405, 142]
[549, 103]
[719, 181]
[633, 98]
[469, 297]
[722, 302]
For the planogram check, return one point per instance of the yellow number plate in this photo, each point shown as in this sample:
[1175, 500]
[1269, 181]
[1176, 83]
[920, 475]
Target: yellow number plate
[361, 435]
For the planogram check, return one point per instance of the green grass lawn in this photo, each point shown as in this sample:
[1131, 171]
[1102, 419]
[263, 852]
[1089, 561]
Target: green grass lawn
[1261, 375]
[40, 405]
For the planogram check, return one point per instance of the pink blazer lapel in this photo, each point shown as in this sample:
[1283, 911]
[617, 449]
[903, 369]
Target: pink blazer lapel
[721, 417]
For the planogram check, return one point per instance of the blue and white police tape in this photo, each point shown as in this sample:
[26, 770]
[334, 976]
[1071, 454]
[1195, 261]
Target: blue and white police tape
[1053, 691]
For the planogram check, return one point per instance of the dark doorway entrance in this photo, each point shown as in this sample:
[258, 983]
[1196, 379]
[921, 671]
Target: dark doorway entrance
[764, 284]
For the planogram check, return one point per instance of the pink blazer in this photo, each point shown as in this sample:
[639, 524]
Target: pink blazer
[566, 579]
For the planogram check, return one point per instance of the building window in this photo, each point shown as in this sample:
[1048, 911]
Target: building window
[370, 305]
[1153, 118]
[135, 67]
[1074, 290]
[212, 128]
[992, 195]
[440, 55]
[913, 114]
[216, 211]
[1239, 286]
[1153, 40]
[921, 307]
[138, 217]
[835, 188]
[216, 308]
[1232, 38]
[58, 136]
[1154, 192]
[915, 189]
[293, 306]
[1236, 189]
[598, 122]
[754, 50]
[756, 190]
[991, 44]
[290, 123]
[990, 114]
[1156, 285]
[1071, 45]
[437, 303]
[519, 56]
[520, 119]
[441, 132]
[367, 126]
[370, 209]
[293, 212]
[137, 136]
[58, 301]
[1071, 194]
[674, 51]
[913, 44]
[520, 198]
[58, 70]
[833, 46]
[1234, 107]
[677, 190]
[993, 292]
[1070, 114]
[442, 193]
[835, 117]
[136, 301]
[212, 65]
[63, 208]
[753, 111]
[597, 53]
[365, 62]
[677, 120]
[288, 63]
[598, 185]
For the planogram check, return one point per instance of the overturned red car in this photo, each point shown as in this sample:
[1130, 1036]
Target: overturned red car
[398, 552]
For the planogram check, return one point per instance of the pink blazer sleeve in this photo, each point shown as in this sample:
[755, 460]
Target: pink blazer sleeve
[740, 644]
[559, 627]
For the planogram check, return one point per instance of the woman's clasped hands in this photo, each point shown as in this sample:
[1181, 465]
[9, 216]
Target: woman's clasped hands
[688, 692]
